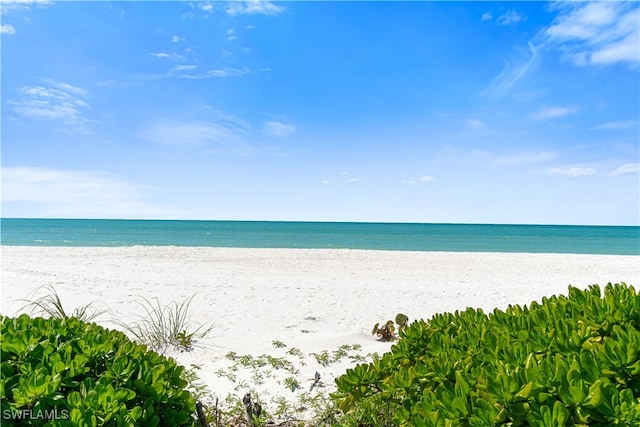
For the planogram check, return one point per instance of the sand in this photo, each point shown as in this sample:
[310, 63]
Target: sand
[311, 300]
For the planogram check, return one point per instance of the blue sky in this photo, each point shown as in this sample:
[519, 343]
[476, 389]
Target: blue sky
[476, 112]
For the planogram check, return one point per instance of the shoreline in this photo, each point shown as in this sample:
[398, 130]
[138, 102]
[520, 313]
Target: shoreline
[312, 300]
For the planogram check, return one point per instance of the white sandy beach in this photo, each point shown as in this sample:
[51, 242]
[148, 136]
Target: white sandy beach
[312, 300]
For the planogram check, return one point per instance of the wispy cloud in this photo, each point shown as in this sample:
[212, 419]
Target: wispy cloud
[510, 17]
[226, 119]
[170, 56]
[176, 39]
[421, 180]
[547, 112]
[117, 83]
[57, 101]
[75, 193]
[526, 157]
[228, 72]
[278, 129]
[627, 168]
[592, 33]
[7, 29]
[487, 16]
[345, 178]
[179, 68]
[253, 7]
[11, 5]
[189, 71]
[193, 134]
[616, 125]
[206, 6]
[572, 171]
[475, 123]
[513, 71]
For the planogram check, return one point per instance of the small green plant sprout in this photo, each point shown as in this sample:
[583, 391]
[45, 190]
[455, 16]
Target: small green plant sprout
[296, 352]
[387, 332]
[292, 383]
[185, 341]
[322, 358]
[278, 344]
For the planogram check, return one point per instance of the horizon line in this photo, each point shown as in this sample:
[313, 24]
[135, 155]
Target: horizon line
[320, 221]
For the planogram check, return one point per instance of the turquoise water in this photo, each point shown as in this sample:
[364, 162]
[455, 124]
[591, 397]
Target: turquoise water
[258, 234]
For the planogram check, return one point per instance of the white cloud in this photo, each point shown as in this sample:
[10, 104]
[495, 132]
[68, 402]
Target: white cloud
[165, 55]
[62, 103]
[527, 157]
[278, 129]
[176, 39]
[10, 5]
[229, 72]
[68, 88]
[184, 71]
[253, 7]
[178, 68]
[475, 123]
[597, 32]
[546, 113]
[623, 50]
[206, 6]
[7, 29]
[116, 83]
[423, 179]
[616, 125]
[572, 171]
[49, 192]
[510, 17]
[627, 168]
[487, 16]
[227, 120]
[512, 72]
[192, 134]
[345, 178]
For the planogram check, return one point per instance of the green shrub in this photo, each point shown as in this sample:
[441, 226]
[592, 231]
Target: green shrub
[572, 360]
[59, 372]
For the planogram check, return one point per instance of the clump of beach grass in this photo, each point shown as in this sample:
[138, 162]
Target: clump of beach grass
[50, 305]
[165, 326]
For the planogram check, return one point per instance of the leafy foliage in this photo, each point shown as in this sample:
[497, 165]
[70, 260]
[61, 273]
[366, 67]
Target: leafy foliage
[88, 376]
[571, 360]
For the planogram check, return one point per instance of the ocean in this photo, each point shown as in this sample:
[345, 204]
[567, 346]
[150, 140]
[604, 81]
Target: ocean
[611, 240]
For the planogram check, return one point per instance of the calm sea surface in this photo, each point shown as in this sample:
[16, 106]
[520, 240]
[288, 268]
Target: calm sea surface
[258, 234]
